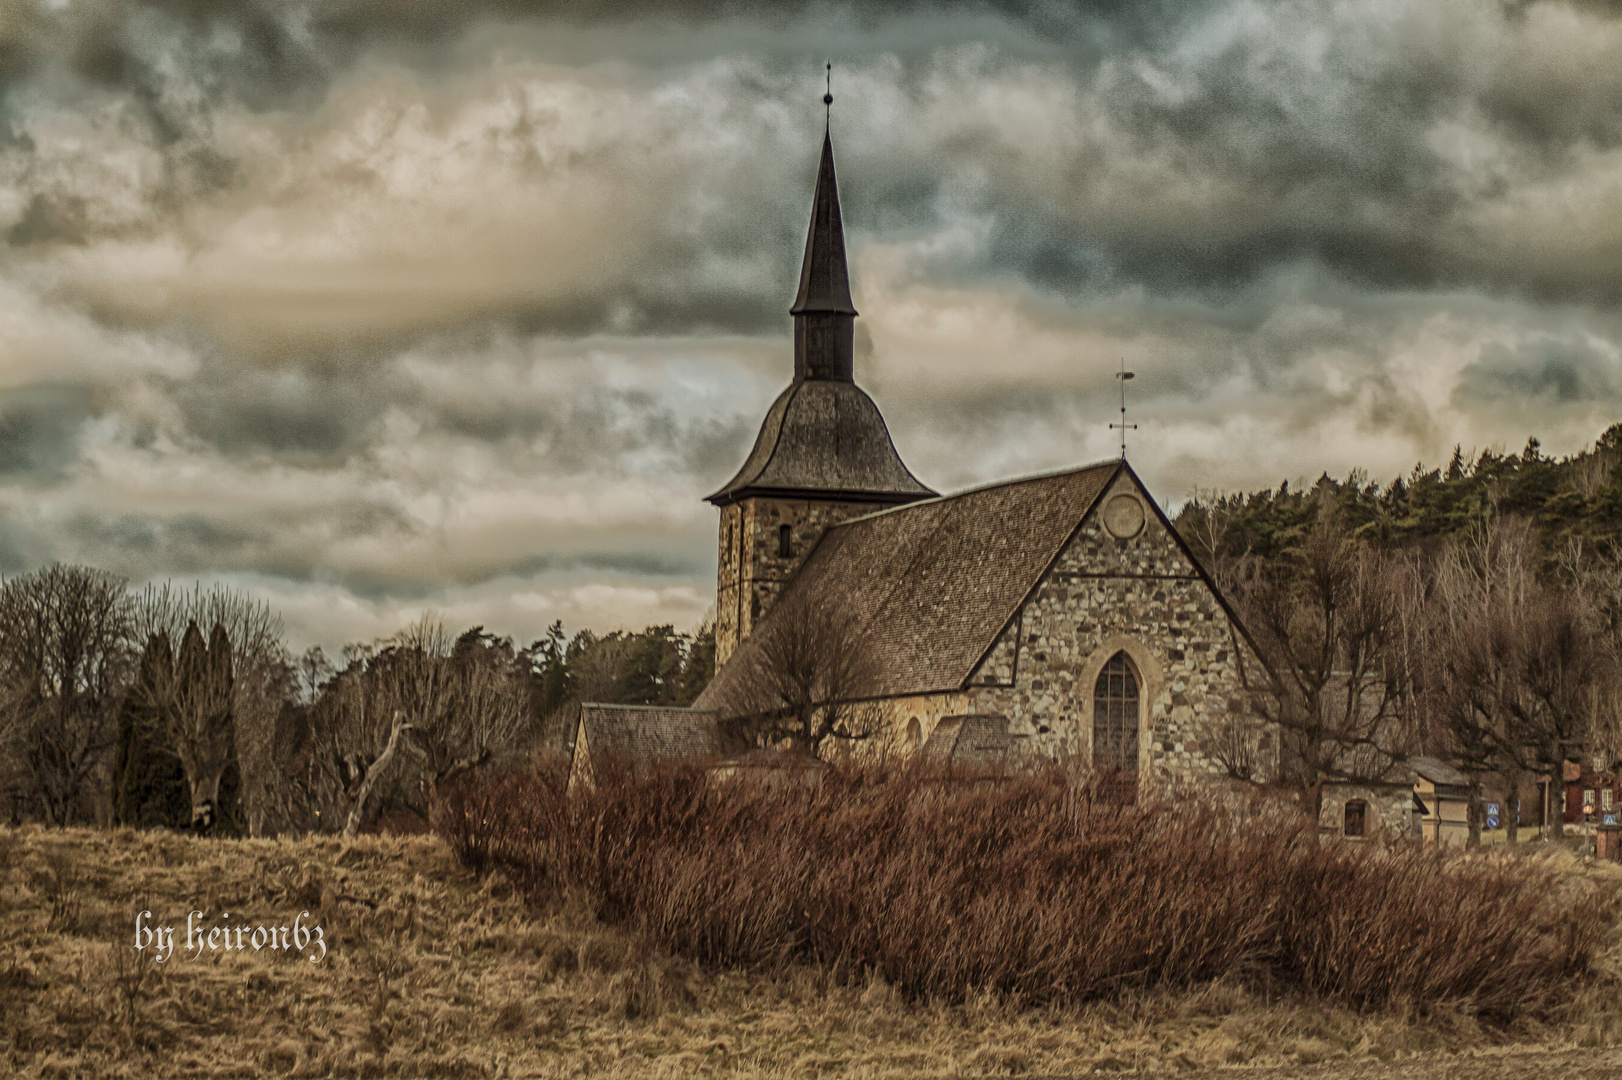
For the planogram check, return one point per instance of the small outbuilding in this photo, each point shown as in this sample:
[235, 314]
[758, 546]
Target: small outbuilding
[1442, 800]
[640, 735]
[1360, 810]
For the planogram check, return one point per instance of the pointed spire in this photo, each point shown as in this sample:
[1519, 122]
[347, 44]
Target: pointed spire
[824, 278]
[824, 317]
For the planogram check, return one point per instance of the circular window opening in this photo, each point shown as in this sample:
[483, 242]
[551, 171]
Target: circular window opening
[1123, 516]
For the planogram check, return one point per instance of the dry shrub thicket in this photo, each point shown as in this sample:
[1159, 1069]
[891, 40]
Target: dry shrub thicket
[1029, 886]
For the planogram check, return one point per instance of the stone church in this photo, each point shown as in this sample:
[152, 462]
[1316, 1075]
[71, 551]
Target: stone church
[1058, 614]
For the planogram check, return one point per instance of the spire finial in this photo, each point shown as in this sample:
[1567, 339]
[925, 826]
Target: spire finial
[1124, 375]
[828, 94]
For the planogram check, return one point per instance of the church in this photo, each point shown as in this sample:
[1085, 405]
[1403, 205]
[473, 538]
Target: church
[1052, 615]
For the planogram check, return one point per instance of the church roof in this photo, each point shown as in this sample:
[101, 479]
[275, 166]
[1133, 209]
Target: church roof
[929, 587]
[825, 438]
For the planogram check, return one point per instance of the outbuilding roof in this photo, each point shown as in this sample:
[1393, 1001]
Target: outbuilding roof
[1438, 772]
[928, 587]
[645, 734]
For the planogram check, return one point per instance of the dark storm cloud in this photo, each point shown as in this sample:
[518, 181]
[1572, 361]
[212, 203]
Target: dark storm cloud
[1299, 131]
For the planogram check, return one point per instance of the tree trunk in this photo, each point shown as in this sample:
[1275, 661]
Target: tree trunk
[205, 799]
[1473, 811]
[357, 813]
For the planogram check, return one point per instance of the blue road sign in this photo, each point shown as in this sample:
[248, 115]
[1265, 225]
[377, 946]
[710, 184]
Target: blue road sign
[1492, 815]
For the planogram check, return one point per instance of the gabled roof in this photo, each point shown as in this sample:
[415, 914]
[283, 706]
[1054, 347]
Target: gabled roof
[980, 739]
[928, 587]
[1438, 772]
[645, 733]
[824, 438]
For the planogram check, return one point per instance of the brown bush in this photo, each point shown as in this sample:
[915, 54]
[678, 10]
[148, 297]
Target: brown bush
[1030, 886]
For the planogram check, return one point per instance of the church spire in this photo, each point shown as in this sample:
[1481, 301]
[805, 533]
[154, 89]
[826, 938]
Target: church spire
[824, 317]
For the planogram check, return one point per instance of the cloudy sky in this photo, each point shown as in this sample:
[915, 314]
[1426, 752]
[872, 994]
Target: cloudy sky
[378, 306]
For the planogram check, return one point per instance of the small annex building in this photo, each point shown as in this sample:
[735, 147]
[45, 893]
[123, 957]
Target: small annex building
[638, 735]
[973, 740]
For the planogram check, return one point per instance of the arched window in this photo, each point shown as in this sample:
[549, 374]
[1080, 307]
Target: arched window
[1356, 811]
[914, 736]
[1115, 718]
[785, 541]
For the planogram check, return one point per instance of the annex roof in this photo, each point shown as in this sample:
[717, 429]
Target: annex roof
[977, 739]
[646, 733]
[1438, 772]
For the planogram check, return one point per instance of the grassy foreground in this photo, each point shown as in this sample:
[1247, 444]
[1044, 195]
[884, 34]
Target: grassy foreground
[431, 972]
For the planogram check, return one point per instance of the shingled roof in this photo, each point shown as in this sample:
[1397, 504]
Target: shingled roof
[930, 586]
[977, 739]
[827, 438]
[642, 734]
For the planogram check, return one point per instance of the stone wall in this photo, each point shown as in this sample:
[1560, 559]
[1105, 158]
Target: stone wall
[750, 572]
[1142, 596]
[1389, 808]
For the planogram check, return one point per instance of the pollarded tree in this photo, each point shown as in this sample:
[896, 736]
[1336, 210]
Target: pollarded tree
[406, 717]
[261, 679]
[149, 782]
[200, 719]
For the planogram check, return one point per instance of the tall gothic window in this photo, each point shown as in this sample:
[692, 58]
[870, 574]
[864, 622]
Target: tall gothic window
[1115, 718]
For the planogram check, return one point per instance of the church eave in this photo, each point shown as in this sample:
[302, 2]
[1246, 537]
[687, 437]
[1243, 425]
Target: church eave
[729, 495]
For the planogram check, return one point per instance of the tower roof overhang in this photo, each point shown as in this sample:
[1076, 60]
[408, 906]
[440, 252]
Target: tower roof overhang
[824, 440]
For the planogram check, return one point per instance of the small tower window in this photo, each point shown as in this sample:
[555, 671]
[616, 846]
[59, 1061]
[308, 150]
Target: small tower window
[785, 541]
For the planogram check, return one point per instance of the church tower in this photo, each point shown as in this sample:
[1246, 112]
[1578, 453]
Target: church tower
[823, 453]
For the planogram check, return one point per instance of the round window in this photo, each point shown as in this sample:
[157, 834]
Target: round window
[1123, 516]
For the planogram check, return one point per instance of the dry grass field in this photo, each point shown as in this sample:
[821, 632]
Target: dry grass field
[432, 972]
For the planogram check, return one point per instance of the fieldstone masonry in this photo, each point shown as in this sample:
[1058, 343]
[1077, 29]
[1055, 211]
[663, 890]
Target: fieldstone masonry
[1140, 595]
[751, 569]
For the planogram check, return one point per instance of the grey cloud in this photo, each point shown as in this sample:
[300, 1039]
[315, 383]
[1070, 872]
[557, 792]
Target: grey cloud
[39, 430]
[1323, 156]
[1567, 369]
[297, 416]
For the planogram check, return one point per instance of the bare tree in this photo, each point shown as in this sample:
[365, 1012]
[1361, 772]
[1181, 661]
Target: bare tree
[1517, 664]
[200, 719]
[65, 661]
[1326, 620]
[313, 670]
[806, 680]
[426, 706]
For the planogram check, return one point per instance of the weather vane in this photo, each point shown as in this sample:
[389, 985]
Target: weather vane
[1124, 375]
[828, 94]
